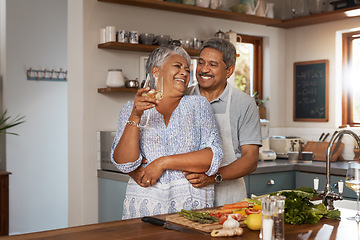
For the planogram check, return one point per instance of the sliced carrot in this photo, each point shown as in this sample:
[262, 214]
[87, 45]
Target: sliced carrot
[242, 204]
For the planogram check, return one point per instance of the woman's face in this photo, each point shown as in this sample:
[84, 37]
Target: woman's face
[176, 75]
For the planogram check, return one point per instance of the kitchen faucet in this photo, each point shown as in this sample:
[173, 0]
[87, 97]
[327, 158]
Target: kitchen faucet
[328, 196]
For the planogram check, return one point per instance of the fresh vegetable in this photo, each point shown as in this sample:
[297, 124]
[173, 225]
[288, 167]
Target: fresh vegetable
[242, 204]
[201, 217]
[227, 232]
[252, 211]
[253, 221]
[230, 223]
[235, 216]
[299, 209]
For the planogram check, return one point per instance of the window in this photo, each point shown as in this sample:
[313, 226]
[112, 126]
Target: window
[249, 65]
[351, 73]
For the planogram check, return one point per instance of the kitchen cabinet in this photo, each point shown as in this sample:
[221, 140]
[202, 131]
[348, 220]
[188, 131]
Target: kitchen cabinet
[214, 13]
[304, 179]
[4, 203]
[260, 184]
[111, 199]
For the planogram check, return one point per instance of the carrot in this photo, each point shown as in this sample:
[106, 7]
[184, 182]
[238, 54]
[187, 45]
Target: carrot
[242, 204]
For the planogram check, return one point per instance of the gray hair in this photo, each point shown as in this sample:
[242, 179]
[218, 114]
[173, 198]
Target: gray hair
[225, 47]
[159, 56]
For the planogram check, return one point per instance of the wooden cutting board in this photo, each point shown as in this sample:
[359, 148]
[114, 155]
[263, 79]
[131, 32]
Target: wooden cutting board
[180, 220]
[319, 149]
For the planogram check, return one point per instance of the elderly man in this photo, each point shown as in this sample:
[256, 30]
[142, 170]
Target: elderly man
[238, 120]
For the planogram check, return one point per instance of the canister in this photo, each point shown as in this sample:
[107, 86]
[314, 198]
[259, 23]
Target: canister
[115, 78]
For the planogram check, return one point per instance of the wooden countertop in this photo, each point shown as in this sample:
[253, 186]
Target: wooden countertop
[135, 229]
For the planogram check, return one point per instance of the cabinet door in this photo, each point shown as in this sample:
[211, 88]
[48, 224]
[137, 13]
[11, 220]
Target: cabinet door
[271, 182]
[111, 199]
[307, 180]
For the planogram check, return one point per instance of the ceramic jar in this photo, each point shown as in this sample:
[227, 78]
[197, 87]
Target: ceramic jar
[115, 78]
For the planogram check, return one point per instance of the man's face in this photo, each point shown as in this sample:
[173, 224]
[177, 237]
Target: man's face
[211, 71]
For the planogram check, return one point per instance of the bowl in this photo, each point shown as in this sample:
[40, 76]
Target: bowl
[239, 8]
[147, 38]
[131, 84]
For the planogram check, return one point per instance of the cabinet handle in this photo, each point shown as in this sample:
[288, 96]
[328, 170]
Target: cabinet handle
[271, 182]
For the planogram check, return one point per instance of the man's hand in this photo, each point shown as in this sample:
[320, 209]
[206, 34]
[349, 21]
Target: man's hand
[199, 180]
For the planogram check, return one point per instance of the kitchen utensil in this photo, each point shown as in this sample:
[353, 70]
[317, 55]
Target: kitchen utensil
[325, 137]
[162, 40]
[122, 36]
[102, 35]
[131, 84]
[189, 2]
[214, 4]
[133, 37]
[110, 35]
[319, 139]
[203, 3]
[115, 78]
[338, 144]
[240, 8]
[307, 156]
[231, 36]
[315, 6]
[147, 38]
[219, 34]
[168, 225]
[299, 8]
[293, 156]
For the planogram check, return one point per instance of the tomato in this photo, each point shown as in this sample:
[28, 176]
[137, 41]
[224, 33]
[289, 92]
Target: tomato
[252, 211]
[223, 218]
[236, 216]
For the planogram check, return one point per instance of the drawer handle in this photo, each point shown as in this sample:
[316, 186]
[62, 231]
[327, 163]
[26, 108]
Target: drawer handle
[271, 182]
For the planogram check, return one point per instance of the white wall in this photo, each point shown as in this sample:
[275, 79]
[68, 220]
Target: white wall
[36, 38]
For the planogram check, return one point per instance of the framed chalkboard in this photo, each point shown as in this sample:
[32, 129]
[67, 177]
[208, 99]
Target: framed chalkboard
[311, 97]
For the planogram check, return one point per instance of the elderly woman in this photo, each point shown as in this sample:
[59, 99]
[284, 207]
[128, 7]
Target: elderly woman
[182, 136]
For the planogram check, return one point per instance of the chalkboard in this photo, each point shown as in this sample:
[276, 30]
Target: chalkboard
[311, 91]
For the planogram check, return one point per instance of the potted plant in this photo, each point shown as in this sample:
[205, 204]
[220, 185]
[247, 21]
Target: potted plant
[6, 123]
[260, 103]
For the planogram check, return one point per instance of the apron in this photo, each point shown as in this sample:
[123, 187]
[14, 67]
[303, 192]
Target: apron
[229, 191]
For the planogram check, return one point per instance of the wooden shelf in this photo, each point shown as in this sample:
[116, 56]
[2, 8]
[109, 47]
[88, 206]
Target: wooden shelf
[116, 90]
[138, 47]
[312, 19]
[214, 13]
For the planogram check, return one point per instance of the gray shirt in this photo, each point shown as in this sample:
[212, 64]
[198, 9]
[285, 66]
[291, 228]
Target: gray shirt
[244, 116]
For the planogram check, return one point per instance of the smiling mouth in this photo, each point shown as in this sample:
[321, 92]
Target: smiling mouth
[205, 76]
[181, 80]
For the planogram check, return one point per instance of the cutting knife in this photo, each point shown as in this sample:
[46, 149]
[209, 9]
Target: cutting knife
[338, 143]
[168, 225]
[320, 139]
[325, 137]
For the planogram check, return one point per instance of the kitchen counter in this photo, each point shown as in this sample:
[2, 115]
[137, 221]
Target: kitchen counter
[135, 229]
[336, 168]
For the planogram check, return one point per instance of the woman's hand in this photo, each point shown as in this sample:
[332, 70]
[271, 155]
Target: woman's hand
[142, 103]
[153, 171]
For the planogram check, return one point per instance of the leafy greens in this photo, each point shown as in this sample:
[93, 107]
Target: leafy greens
[299, 209]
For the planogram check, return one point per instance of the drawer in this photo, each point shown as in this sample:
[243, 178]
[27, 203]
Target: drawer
[271, 182]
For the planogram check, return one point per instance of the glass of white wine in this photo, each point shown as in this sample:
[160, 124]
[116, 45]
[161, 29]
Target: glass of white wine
[156, 91]
[352, 181]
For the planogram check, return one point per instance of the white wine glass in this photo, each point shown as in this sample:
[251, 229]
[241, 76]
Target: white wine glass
[352, 181]
[156, 91]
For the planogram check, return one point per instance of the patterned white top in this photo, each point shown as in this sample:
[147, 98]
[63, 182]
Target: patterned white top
[192, 127]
